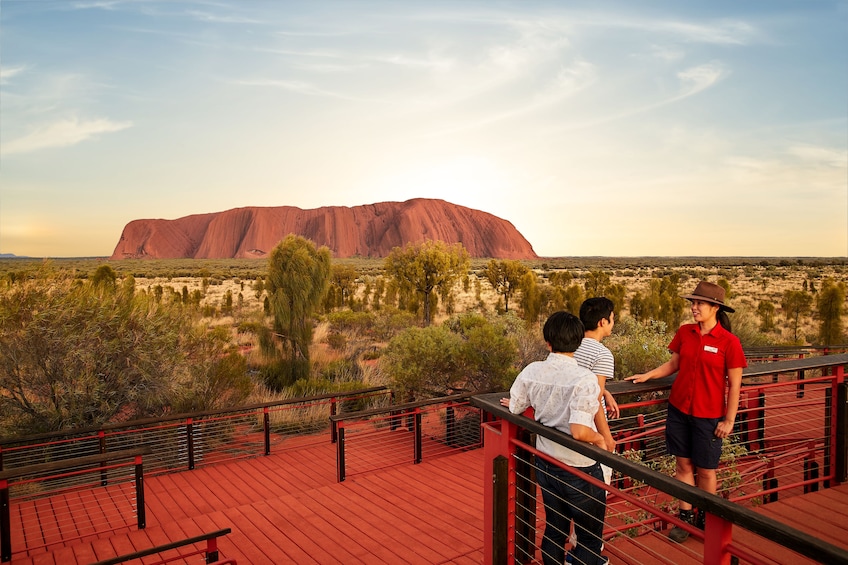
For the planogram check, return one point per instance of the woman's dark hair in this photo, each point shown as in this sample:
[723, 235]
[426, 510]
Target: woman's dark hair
[723, 319]
[563, 331]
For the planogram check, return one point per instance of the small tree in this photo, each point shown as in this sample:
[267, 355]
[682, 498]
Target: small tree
[531, 297]
[342, 287]
[104, 277]
[830, 303]
[596, 284]
[765, 310]
[795, 305]
[425, 267]
[505, 277]
[298, 275]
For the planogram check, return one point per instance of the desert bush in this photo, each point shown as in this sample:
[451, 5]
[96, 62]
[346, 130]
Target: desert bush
[467, 353]
[77, 354]
[638, 347]
[747, 327]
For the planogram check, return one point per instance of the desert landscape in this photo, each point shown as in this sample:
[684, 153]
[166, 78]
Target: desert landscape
[751, 279]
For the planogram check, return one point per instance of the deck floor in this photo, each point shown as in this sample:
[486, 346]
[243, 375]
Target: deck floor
[288, 508]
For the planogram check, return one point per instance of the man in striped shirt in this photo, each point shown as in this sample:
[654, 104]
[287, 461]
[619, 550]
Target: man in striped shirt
[598, 317]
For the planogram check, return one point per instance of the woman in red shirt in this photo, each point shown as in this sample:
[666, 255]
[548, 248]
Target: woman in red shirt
[704, 397]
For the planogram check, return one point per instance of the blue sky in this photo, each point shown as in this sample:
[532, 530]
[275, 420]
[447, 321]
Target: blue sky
[606, 128]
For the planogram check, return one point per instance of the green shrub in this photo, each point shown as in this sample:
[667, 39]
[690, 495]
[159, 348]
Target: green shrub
[638, 348]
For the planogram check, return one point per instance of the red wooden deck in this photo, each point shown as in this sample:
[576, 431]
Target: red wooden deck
[288, 508]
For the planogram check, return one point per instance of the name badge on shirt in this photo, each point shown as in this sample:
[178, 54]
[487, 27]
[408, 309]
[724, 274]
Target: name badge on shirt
[710, 349]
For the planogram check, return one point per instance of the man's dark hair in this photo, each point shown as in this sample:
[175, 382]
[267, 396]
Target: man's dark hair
[593, 310]
[563, 331]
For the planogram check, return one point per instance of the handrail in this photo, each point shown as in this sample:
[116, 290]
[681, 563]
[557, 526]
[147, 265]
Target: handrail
[401, 407]
[754, 370]
[182, 416]
[168, 546]
[7, 474]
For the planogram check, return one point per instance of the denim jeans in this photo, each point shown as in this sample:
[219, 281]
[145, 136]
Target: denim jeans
[569, 497]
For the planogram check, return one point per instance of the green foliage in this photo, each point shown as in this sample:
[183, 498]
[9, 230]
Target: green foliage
[637, 347]
[104, 277]
[342, 287]
[468, 353]
[218, 379]
[747, 327]
[298, 275]
[765, 310]
[78, 354]
[421, 268]
[531, 297]
[280, 374]
[389, 321]
[830, 304]
[505, 277]
[796, 304]
[662, 302]
[596, 284]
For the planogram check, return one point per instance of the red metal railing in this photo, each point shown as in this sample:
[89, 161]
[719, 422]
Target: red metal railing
[407, 433]
[209, 551]
[785, 443]
[184, 441]
[53, 503]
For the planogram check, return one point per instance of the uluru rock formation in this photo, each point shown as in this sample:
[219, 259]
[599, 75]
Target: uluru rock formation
[371, 230]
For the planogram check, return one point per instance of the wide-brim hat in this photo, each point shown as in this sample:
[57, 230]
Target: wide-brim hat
[709, 292]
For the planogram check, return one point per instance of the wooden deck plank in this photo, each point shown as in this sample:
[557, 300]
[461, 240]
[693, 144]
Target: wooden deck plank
[303, 533]
[329, 530]
[370, 517]
[411, 506]
[265, 535]
[372, 542]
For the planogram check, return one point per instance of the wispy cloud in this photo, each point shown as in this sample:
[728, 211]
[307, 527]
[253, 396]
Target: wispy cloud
[214, 18]
[298, 86]
[62, 134]
[697, 79]
[9, 72]
[826, 156]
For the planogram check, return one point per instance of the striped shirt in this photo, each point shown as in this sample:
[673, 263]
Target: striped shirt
[594, 355]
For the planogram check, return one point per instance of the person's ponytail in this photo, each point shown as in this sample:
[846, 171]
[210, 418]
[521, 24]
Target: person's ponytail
[723, 319]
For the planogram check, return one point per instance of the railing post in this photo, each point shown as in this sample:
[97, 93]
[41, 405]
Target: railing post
[497, 442]
[500, 509]
[5, 522]
[340, 455]
[266, 427]
[829, 431]
[450, 426]
[717, 536]
[101, 440]
[139, 493]
[770, 483]
[211, 550]
[760, 419]
[190, 442]
[333, 428]
[417, 429]
[841, 470]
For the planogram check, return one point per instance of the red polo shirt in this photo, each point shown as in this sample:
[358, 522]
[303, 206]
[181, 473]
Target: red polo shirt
[700, 388]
